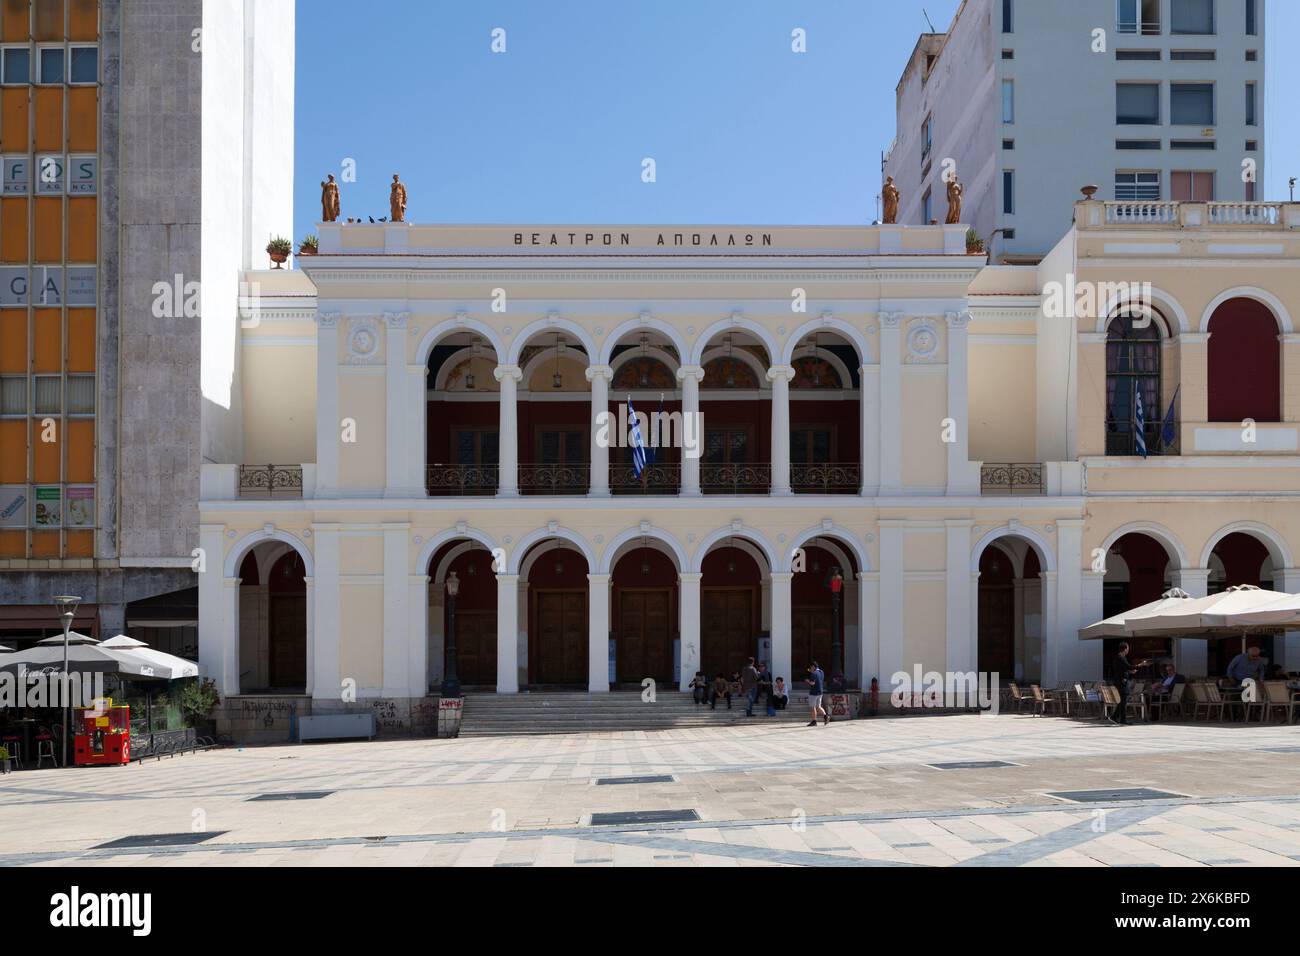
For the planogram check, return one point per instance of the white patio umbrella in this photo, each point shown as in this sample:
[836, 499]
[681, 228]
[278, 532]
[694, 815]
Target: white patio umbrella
[165, 666]
[1121, 625]
[1276, 611]
[1211, 616]
[83, 657]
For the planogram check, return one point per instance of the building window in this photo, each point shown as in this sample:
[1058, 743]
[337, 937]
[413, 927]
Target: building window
[1148, 55]
[1141, 17]
[927, 208]
[17, 68]
[1137, 104]
[51, 65]
[927, 137]
[1009, 192]
[47, 395]
[1191, 17]
[85, 66]
[81, 394]
[1252, 118]
[1008, 144]
[13, 395]
[1008, 101]
[1252, 56]
[1132, 369]
[1008, 54]
[1201, 55]
[1008, 18]
[1252, 18]
[1244, 364]
[1252, 146]
[1137, 144]
[1191, 186]
[1191, 104]
[1205, 145]
[1137, 186]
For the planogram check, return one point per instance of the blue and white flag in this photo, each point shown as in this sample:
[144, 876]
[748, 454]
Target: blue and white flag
[638, 444]
[1140, 424]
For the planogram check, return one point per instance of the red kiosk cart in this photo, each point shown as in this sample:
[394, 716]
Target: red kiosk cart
[103, 734]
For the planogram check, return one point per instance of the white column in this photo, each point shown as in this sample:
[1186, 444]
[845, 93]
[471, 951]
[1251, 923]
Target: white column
[1192, 657]
[1018, 612]
[869, 419]
[688, 605]
[417, 602]
[891, 606]
[1091, 655]
[961, 608]
[399, 445]
[690, 376]
[217, 626]
[601, 438]
[891, 404]
[852, 600]
[598, 633]
[1286, 649]
[780, 376]
[415, 438]
[327, 404]
[1061, 651]
[959, 467]
[310, 582]
[782, 642]
[869, 628]
[325, 660]
[508, 439]
[225, 669]
[437, 637]
[521, 634]
[397, 615]
[507, 633]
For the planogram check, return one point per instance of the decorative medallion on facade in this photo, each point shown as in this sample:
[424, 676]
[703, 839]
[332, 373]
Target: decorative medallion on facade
[922, 341]
[363, 341]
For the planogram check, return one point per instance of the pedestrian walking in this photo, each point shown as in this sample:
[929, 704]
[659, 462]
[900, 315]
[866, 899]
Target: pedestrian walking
[816, 687]
[749, 684]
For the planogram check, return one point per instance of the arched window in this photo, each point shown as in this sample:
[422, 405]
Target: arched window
[1132, 369]
[1245, 363]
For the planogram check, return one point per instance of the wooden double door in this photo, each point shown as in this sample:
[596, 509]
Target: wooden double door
[811, 640]
[728, 629]
[560, 650]
[476, 647]
[997, 629]
[287, 630]
[644, 634]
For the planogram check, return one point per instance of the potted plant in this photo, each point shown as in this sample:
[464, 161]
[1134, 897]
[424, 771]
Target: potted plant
[196, 699]
[4, 759]
[309, 246]
[974, 244]
[278, 249]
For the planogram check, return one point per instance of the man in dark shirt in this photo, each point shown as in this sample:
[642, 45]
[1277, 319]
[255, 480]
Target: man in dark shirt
[749, 684]
[1121, 671]
[816, 686]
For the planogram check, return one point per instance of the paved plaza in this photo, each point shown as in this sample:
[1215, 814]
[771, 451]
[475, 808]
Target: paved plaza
[864, 792]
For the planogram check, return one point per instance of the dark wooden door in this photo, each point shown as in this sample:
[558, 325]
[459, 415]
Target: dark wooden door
[287, 628]
[561, 637]
[810, 635]
[476, 647]
[645, 635]
[997, 629]
[727, 630]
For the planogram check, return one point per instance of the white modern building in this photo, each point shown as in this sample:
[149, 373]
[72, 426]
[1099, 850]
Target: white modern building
[1028, 100]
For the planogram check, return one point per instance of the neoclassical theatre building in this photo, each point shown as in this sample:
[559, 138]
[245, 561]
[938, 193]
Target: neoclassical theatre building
[959, 439]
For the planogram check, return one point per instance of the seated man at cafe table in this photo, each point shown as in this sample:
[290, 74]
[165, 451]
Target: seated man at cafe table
[1247, 664]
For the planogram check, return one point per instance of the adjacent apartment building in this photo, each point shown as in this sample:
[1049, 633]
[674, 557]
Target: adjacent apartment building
[1149, 100]
[129, 133]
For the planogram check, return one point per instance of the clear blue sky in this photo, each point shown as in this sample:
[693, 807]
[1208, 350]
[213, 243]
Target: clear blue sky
[555, 129]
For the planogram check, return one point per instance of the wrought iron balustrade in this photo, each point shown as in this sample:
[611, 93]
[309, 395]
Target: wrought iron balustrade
[554, 479]
[452, 480]
[270, 481]
[1012, 479]
[826, 479]
[735, 479]
[655, 480]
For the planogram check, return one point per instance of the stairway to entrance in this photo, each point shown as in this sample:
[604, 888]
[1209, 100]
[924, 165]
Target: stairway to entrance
[572, 712]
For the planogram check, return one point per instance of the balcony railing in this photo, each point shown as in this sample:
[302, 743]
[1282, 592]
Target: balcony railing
[270, 481]
[826, 479]
[446, 480]
[655, 480]
[1143, 213]
[1245, 213]
[554, 479]
[1012, 479]
[739, 479]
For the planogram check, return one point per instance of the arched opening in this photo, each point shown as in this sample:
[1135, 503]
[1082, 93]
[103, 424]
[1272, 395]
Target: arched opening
[644, 369]
[558, 625]
[554, 415]
[813, 629]
[1135, 386]
[1245, 363]
[1239, 558]
[1009, 626]
[645, 614]
[463, 418]
[731, 609]
[1137, 573]
[736, 402]
[825, 414]
[272, 620]
[475, 614]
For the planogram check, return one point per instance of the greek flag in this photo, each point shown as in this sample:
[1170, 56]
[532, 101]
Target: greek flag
[1140, 424]
[638, 444]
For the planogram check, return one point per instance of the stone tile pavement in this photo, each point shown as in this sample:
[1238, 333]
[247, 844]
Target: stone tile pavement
[854, 793]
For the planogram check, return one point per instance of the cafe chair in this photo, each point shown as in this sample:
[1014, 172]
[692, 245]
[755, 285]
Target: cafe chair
[45, 747]
[15, 747]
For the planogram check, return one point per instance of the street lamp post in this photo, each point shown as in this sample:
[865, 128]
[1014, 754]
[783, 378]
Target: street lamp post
[68, 603]
[450, 679]
[837, 585]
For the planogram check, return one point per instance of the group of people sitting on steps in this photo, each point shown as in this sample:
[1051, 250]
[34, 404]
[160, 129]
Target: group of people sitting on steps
[750, 684]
